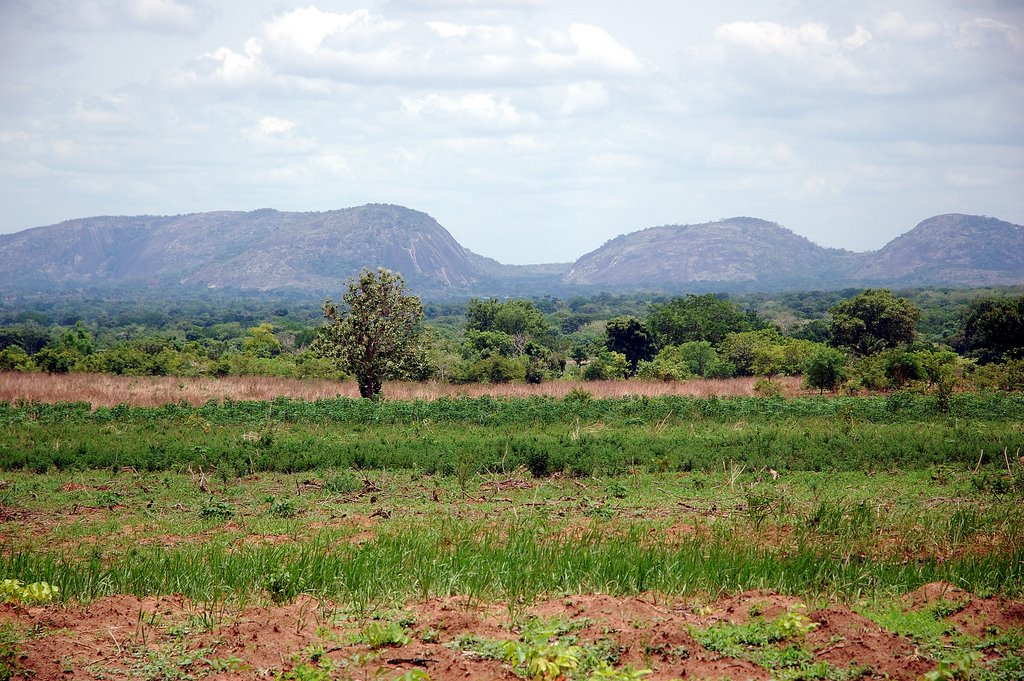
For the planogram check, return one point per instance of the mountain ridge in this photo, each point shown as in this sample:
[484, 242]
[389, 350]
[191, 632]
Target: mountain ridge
[268, 249]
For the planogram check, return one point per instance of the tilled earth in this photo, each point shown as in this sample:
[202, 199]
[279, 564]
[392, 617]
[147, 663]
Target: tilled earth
[170, 638]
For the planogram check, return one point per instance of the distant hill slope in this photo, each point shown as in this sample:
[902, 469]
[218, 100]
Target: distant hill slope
[263, 249]
[315, 252]
[951, 249]
[739, 250]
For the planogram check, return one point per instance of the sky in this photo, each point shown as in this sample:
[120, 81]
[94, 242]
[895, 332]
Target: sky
[533, 130]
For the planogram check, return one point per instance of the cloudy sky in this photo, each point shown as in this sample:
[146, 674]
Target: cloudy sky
[534, 130]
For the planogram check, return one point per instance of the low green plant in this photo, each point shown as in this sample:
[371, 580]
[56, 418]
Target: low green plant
[605, 672]
[542, 660]
[954, 668]
[377, 635]
[216, 509]
[283, 508]
[10, 640]
[36, 593]
[281, 585]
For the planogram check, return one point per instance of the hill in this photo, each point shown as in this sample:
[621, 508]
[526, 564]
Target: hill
[314, 252]
[742, 251]
[952, 249]
[263, 249]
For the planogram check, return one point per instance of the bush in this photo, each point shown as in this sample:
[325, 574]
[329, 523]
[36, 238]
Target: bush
[13, 358]
[825, 369]
[495, 369]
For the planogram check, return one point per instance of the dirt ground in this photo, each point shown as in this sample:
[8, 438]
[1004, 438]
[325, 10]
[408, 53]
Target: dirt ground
[168, 638]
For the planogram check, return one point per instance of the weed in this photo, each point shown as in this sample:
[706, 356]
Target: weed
[15, 591]
[954, 668]
[542, 661]
[343, 483]
[606, 672]
[216, 509]
[283, 508]
[10, 639]
[377, 635]
[281, 585]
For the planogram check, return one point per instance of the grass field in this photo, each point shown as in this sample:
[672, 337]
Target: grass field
[106, 390]
[483, 538]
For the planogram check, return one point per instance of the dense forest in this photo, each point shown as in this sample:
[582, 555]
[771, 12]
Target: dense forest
[850, 339]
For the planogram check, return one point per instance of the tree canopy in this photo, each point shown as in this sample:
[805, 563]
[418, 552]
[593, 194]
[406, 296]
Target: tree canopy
[629, 336]
[697, 318]
[376, 333]
[992, 328]
[872, 321]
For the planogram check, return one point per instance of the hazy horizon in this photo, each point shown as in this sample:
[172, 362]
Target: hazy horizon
[532, 130]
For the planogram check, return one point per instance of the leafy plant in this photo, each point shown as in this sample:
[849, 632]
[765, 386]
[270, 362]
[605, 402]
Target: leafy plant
[954, 668]
[377, 635]
[542, 661]
[283, 508]
[217, 509]
[605, 672]
[15, 591]
[10, 639]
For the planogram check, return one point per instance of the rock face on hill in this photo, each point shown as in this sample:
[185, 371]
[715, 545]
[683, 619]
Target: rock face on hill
[950, 249]
[315, 252]
[735, 251]
[263, 249]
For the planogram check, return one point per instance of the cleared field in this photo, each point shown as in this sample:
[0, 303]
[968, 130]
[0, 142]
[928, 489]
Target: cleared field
[104, 390]
[487, 538]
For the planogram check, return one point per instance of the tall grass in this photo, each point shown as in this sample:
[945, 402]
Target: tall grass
[578, 436]
[104, 390]
[516, 567]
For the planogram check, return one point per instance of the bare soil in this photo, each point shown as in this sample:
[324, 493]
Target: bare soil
[131, 637]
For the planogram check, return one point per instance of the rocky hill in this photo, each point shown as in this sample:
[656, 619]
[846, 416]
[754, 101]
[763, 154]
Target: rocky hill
[739, 251]
[263, 249]
[953, 249]
[315, 252]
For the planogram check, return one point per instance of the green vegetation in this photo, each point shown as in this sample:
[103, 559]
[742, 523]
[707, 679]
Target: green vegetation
[896, 340]
[375, 335]
[544, 435]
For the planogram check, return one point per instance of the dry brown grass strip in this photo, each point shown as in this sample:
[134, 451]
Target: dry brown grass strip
[104, 390]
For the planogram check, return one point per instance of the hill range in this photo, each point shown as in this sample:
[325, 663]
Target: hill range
[313, 252]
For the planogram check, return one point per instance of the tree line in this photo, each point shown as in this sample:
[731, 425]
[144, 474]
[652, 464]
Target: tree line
[863, 340]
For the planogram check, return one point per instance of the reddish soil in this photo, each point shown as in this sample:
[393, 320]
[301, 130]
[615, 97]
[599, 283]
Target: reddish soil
[129, 637]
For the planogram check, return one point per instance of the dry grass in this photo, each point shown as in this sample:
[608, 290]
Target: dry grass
[103, 390]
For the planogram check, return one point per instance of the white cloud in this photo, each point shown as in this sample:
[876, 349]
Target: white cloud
[271, 125]
[769, 37]
[483, 108]
[894, 24]
[163, 15]
[983, 32]
[859, 38]
[363, 47]
[584, 97]
[595, 45]
[226, 66]
[732, 155]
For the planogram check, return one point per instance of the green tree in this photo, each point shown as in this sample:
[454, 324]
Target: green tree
[377, 331]
[260, 341]
[629, 336]
[607, 365]
[992, 329]
[872, 321]
[825, 369]
[520, 319]
[13, 358]
[697, 318]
